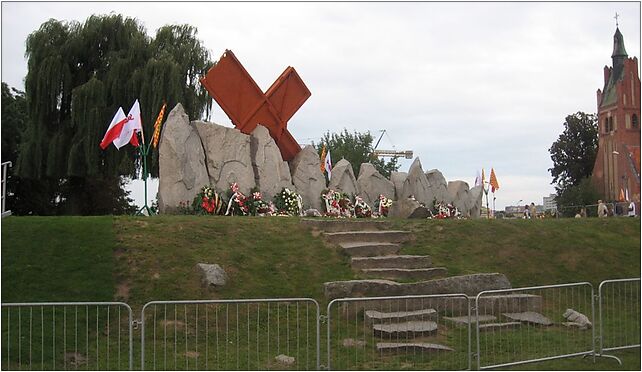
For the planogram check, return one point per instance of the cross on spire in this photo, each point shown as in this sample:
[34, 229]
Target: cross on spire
[616, 17]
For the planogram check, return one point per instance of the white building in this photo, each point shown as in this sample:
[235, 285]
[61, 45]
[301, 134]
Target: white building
[549, 203]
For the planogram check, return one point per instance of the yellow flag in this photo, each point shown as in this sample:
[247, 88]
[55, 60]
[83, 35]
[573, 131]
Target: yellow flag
[493, 180]
[323, 160]
[483, 177]
[157, 125]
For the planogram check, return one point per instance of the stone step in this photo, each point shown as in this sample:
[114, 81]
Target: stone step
[464, 320]
[410, 274]
[414, 328]
[529, 317]
[411, 347]
[467, 284]
[388, 236]
[486, 327]
[338, 225]
[449, 306]
[392, 261]
[374, 316]
[365, 249]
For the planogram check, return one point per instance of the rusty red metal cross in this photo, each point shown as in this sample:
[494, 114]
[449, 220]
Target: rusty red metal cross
[247, 106]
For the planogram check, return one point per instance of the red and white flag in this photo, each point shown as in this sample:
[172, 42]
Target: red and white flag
[122, 129]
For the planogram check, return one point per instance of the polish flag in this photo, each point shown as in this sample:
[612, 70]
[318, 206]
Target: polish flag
[122, 129]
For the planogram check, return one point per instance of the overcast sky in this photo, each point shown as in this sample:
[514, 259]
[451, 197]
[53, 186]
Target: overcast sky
[464, 85]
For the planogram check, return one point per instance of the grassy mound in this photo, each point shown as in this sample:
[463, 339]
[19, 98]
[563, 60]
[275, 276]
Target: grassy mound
[143, 259]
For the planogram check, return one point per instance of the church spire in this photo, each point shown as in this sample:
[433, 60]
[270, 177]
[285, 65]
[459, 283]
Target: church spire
[618, 45]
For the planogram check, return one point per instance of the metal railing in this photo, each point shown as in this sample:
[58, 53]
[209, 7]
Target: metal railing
[614, 209]
[399, 332]
[5, 166]
[526, 325]
[499, 328]
[253, 334]
[67, 335]
[619, 315]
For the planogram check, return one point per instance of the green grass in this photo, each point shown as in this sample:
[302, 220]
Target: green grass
[137, 260]
[57, 259]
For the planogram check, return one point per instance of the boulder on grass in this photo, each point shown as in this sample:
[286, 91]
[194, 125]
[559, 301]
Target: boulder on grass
[372, 184]
[308, 180]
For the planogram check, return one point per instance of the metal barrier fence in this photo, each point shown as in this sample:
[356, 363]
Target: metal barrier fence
[511, 327]
[5, 166]
[256, 334]
[67, 335]
[534, 324]
[403, 332]
[619, 315]
[615, 209]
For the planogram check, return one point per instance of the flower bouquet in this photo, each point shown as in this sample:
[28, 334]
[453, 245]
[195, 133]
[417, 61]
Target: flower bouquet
[361, 208]
[382, 205]
[288, 202]
[258, 206]
[337, 204]
[207, 201]
[238, 204]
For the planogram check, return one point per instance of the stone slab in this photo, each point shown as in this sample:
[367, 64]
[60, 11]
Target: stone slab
[388, 236]
[337, 225]
[466, 284]
[405, 274]
[491, 327]
[464, 320]
[413, 328]
[411, 347]
[365, 249]
[374, 316]
[392, 261]
[530, 317]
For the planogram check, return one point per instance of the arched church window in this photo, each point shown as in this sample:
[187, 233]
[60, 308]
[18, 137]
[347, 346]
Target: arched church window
[634, 122]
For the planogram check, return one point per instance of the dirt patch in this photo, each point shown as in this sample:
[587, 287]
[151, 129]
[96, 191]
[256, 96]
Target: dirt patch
[156, 276]
[172, 323]
[316, 233]
[122, 292]
[192, 354]
[75, 359]
[119, 252]
[142, 223]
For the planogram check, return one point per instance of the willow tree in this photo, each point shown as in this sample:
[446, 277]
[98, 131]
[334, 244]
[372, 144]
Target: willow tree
[78, 76]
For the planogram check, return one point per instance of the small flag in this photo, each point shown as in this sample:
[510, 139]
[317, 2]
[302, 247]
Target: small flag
[122, 129]
[322, 160]
[621, 195]
[328, 165]
[626, 195]
[478, 180]
[493, 180]
[157, 125]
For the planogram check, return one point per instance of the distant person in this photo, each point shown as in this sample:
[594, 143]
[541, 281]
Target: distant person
[527, 213]
[533, 210]
[631, 209]
[602, 211]
[583, 212]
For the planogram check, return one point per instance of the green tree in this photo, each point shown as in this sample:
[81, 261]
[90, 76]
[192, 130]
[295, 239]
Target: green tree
[573, 156]
[78, 76]
[583, 193]
[356, 148]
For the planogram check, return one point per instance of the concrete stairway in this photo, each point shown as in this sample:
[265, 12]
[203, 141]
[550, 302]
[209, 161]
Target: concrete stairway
[373, 251]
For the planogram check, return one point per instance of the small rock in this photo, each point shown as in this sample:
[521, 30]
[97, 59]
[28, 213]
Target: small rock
[312, 213]
[213, 274]
[75, 359]
[576, 317]
[351, 342]
[284, 359]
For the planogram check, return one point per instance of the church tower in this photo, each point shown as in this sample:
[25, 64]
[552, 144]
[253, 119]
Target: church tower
[617, 166]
